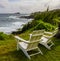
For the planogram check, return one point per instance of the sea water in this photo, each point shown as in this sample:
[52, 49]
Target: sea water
[11, 22]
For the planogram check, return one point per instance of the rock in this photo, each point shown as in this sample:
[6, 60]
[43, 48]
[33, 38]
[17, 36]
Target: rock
[27, 17]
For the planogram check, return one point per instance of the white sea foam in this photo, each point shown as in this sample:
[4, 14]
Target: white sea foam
[12, 23]
[13, 17]
[18, 24]
[7, 30]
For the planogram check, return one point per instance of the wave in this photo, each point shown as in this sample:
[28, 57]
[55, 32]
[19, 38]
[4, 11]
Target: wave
[12, 23]
[13, 17]
[15, 27]
[18, 24]
[7, 30]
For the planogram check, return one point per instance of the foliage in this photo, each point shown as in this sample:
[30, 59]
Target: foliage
[44, 25]
[38, 24]
[29, 25]
[43, 20]
[3, 36]
[47, 16]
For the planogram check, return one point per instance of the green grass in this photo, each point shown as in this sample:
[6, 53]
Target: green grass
[8, 51]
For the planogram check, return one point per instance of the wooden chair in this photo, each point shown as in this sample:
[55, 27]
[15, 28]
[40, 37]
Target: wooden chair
[32, 44]
[46, 39]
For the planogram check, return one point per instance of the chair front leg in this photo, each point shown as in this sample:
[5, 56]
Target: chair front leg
[17, 47]
[46, 45]
[25, 52]
[40, 51]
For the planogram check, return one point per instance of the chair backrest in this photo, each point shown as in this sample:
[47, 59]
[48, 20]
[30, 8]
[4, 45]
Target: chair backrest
[35, 39]
[51, 33]
[55, 31]
[38, 32]
[35, 35]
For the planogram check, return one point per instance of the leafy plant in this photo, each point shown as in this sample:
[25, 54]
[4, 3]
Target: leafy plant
[44, 25]
[3, 36]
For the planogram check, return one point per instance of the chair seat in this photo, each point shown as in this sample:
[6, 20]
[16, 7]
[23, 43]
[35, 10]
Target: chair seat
[44, 39]
[23, 45]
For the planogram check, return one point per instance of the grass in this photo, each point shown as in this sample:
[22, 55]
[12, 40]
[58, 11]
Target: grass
[8, 51]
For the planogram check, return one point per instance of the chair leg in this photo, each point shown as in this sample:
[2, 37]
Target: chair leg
[40, 51]
[45, 44]
[25, 52]
[17, 47]
[48, 47]
[51, 44]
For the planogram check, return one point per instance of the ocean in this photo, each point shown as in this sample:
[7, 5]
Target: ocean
[12, 22]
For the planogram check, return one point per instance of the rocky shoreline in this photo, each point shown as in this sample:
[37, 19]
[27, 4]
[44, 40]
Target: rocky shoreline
[27, 17]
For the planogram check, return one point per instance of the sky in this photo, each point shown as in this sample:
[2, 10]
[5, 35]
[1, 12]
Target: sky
[27, 6]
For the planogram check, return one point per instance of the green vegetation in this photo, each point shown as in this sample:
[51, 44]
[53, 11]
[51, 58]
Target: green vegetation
[8, 51]
[47, 20]
[38, 24]
[44, 25]
[3, 36]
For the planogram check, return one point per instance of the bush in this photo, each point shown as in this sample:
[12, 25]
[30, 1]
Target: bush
[3, 36]
[46, 16]
[37, 25]
[44, 25]
[29, 25]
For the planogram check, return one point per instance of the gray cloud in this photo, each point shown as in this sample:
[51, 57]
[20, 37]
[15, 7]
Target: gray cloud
[13, 0]
[1, 6]
[27, 6]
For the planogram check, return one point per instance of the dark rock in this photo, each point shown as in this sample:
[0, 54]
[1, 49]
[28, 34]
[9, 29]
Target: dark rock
[27, 17]
[16, 32]
[17, 13]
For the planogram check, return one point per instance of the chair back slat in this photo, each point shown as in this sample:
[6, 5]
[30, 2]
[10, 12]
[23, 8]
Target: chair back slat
[51, 33]
[32, 46]
[38, 32]
[55, 31]
[35, 37]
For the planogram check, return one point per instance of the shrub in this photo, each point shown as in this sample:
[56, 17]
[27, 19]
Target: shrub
[44, 25]
[47, 16]
[37, 25]
[3, 36]
[29, 25]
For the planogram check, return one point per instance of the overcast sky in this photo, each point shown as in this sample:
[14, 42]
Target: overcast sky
[27, 6]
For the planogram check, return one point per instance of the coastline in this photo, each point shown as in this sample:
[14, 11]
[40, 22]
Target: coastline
[12, 23]
[15, 30]
[19, 30]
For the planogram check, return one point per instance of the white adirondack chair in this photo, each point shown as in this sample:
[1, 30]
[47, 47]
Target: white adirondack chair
[46, 39]
[32, 44]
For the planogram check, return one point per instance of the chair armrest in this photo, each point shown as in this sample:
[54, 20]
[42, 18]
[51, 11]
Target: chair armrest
[47, 36]
[34, 41]
[22, 40]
